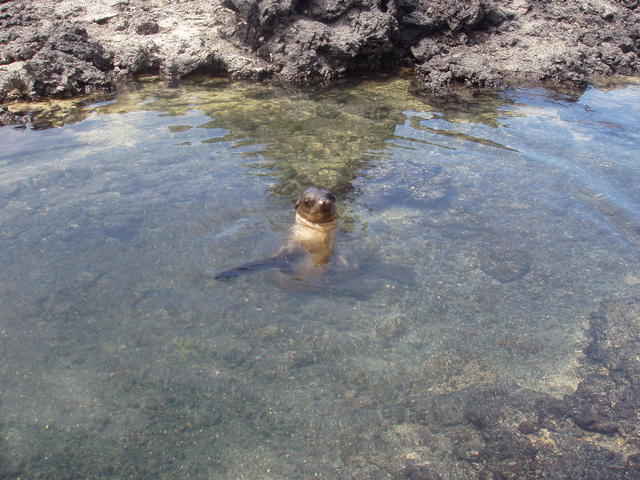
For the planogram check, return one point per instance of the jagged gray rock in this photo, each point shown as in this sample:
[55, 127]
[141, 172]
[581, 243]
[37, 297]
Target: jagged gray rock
[69, 47]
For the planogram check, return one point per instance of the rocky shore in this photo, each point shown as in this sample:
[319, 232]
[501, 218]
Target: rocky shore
[63, 48]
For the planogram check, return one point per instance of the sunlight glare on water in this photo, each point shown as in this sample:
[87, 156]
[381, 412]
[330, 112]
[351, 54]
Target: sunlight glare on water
[477, 240]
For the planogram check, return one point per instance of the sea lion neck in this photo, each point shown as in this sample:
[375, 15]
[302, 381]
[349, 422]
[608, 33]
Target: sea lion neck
[317, 226]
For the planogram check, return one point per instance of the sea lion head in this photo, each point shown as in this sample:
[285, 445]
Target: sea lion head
[317, 205]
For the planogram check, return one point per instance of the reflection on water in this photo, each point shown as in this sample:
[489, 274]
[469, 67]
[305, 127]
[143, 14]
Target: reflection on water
[478, 240]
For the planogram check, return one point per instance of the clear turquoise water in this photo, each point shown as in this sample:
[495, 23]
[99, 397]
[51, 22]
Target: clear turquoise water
[122, 358]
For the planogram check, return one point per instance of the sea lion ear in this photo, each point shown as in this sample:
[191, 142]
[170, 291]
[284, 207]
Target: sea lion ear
[297, 203]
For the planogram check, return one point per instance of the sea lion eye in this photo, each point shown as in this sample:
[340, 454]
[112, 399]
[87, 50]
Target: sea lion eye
[331, 197]
[308, 202]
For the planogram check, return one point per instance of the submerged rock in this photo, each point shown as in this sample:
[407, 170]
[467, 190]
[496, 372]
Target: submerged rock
[494, 431]
[505, 264]
[616, 337]
[427, 184]
[607, 400]
[70, 47]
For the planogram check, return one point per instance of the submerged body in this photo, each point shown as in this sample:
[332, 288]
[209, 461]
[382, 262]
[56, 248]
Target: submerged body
[309, 247]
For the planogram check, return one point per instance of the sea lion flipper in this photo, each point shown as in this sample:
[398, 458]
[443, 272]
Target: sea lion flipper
[251, 267]
[280, 260]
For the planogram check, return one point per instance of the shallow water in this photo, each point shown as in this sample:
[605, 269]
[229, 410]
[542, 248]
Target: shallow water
[478, 237]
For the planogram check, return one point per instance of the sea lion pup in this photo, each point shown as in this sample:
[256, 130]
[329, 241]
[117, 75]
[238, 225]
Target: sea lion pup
[309, 245]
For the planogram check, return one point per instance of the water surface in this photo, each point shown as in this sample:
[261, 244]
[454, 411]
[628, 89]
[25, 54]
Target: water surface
[478, 236]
